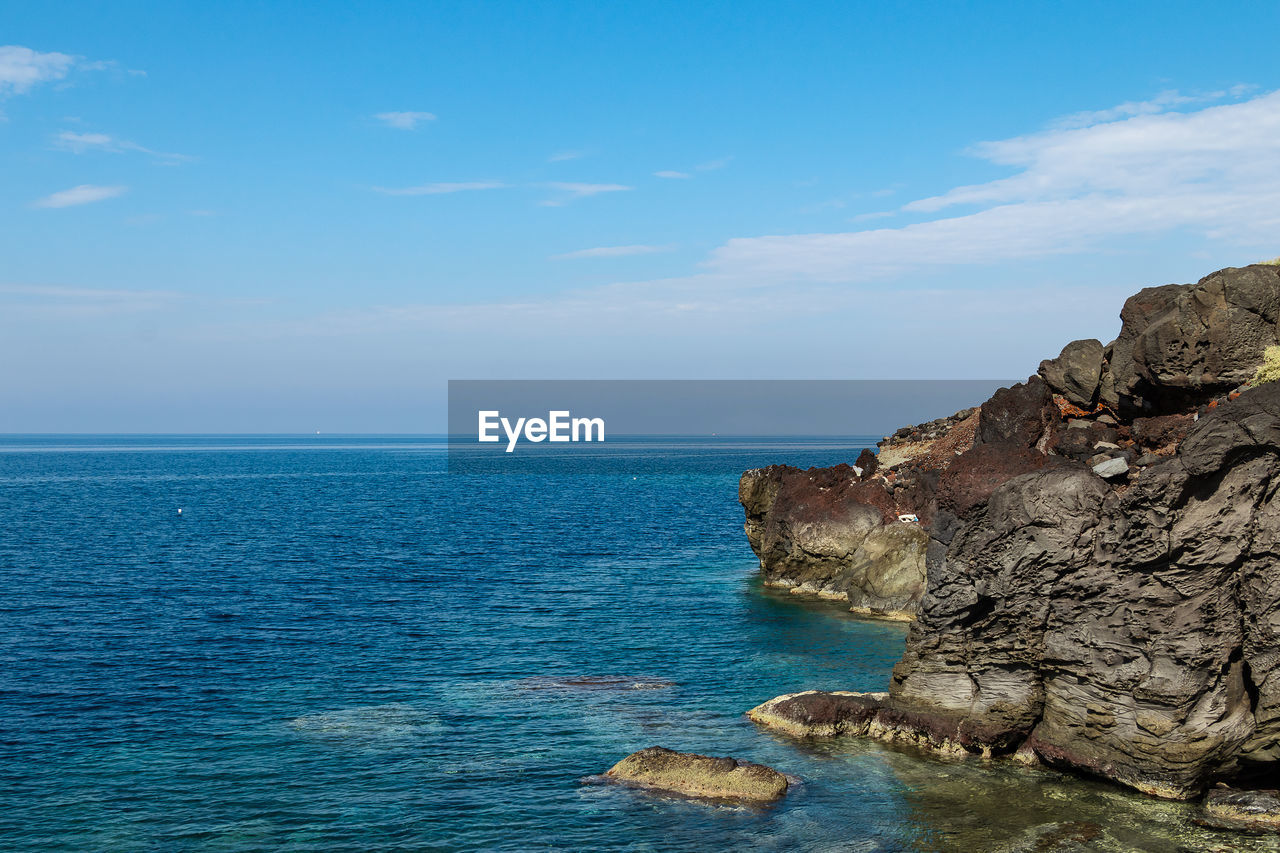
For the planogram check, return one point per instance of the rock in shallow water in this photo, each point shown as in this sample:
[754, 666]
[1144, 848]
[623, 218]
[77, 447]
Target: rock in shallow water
[1257, 811]
[703, 776]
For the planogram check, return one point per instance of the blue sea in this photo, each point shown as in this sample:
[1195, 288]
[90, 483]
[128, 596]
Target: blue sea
[337, 645]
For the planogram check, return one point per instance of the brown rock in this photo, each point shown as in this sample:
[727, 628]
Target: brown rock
[1162, 431]
[702, 776]
[975, 474]
[1017, 415]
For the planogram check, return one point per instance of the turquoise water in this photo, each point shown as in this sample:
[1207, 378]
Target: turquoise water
[338, 646]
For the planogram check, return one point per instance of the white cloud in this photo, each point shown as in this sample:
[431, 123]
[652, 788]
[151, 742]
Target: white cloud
[563, 156]
[574, 191]
[80, 143]
[442, 188]
[1212, 171]
[404, 120]
[712, 165]
[671, 175]
[21, 68]
[83, 194]
[611, 252]
[1071, 190]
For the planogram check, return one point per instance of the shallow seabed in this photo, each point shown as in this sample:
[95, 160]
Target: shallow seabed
[339, 646]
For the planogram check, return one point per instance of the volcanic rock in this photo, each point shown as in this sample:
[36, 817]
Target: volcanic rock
[1118, 622]
[1076, 374]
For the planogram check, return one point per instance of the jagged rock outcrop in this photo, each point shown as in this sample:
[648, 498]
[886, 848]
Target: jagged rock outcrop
[1181, 345]
[1103, 579]
[703, 776]
[827, 532]
[839, 532]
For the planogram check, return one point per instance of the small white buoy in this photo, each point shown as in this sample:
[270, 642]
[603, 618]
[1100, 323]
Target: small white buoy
[179, 510]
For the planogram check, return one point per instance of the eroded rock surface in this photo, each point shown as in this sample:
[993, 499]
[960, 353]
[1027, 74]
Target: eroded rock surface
[1180, 345]
[703, 776]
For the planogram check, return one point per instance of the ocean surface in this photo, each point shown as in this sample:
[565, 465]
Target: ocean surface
[339, 646]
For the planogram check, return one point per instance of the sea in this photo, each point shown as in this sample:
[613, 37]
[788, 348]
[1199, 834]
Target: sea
[331, 643]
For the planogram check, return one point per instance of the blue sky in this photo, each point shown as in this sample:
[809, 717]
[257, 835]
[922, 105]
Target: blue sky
[291, 217]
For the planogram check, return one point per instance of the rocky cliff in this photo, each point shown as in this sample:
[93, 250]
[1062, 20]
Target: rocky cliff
[1102, 560]
[855, 533]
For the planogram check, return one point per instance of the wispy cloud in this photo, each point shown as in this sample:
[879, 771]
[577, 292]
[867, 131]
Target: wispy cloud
[404, 120]
[573, 191]
[83, 194]
[611, 252]
[82, 301]
[712, 165]
[442, 188]
[672, 175]
[22, 68]
[1074, 189]
[1163, 102]
[563, 156]
[79, 143]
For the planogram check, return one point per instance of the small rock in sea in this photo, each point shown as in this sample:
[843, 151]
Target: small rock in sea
[702, 776]
[1111, 468]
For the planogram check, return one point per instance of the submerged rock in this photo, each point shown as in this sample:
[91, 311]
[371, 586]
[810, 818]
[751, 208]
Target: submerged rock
[594, 682]
[1254, 811]
[702, 776]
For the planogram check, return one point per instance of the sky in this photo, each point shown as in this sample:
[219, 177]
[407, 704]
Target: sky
[290, 217]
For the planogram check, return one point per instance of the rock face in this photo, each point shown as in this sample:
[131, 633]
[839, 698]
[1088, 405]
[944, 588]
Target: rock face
[1103, 580]
[838, 532]
[1180, 345]
[701, 776]
[827, 533]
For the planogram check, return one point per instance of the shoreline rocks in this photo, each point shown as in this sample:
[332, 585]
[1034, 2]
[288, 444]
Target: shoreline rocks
[855, 533]
[699, 776]
[1102, 578]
